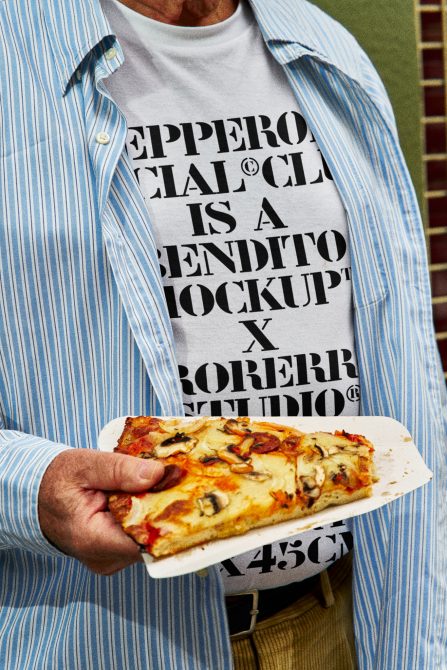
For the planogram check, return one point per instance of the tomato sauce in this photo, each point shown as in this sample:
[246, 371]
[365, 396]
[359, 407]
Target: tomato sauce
[152, 534]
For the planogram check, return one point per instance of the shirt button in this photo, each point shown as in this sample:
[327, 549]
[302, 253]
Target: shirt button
[110, 53]
[103, 138]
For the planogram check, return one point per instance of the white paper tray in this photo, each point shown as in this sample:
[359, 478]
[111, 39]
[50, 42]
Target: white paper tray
[400, 469]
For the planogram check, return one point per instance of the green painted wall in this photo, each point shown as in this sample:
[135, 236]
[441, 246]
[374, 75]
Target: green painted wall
[386, 30]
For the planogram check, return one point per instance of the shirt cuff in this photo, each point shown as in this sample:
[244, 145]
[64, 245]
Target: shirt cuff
[23, 462]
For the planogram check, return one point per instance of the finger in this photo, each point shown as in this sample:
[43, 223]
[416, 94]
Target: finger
[110, 541]
[118, 472]
[105, 569]
[103, 541]
[107, 566]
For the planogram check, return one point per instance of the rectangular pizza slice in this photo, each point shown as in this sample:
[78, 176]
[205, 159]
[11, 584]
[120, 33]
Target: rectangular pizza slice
[224, 477]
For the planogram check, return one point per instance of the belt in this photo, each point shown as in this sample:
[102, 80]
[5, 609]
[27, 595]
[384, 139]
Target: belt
[246, 609]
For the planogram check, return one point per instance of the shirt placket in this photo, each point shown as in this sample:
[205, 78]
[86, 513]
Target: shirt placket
[127, 234]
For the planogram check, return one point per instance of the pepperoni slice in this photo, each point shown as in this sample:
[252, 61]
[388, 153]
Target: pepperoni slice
[292, 442]
[173, 475]
[264, 443]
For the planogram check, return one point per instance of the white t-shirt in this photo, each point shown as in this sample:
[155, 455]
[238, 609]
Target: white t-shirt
[252, 239]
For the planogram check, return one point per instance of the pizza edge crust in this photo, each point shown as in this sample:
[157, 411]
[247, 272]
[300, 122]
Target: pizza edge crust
[173, 543]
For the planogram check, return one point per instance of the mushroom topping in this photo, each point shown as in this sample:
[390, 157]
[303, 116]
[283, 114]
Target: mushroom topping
[320, 475]
[315, 493]
[241, 468]
[229, 456]
[243, 448]
[210, 460]
[174, 439]
[308, 483]
[232, 427]
[321, 450]
[212, 503]
[178, 443]
[348, 448]
[258, 476]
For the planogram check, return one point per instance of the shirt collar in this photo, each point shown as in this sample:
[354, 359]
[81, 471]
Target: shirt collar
[295, 28]
[288, 22]
[74, 29]
[291, 29]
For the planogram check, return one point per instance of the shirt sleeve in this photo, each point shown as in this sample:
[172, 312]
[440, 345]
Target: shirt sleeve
[375, 87]
[23, 462]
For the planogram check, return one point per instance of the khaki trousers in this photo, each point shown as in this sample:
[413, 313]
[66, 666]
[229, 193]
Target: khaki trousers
[316, 633]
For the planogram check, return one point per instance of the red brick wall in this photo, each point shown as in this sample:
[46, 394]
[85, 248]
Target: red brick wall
[432, 18]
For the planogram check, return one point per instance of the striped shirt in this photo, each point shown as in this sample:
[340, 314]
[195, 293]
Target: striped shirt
[85, 337]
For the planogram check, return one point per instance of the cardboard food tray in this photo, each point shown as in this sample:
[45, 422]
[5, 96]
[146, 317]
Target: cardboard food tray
[399, 466]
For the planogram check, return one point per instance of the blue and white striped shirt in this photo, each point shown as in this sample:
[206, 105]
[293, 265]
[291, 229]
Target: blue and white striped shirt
[85, 337]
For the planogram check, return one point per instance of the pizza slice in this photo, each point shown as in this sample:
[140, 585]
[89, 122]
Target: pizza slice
[224, 477]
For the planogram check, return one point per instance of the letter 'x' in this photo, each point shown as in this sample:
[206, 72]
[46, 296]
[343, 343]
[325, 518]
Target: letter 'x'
[259, 336]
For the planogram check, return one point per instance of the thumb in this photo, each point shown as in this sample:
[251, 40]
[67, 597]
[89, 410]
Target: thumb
[118, 472]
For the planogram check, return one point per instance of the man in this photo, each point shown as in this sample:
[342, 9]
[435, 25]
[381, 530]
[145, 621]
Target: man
[90, 326]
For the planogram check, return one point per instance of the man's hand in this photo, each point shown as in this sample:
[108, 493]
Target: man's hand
[73, 506]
